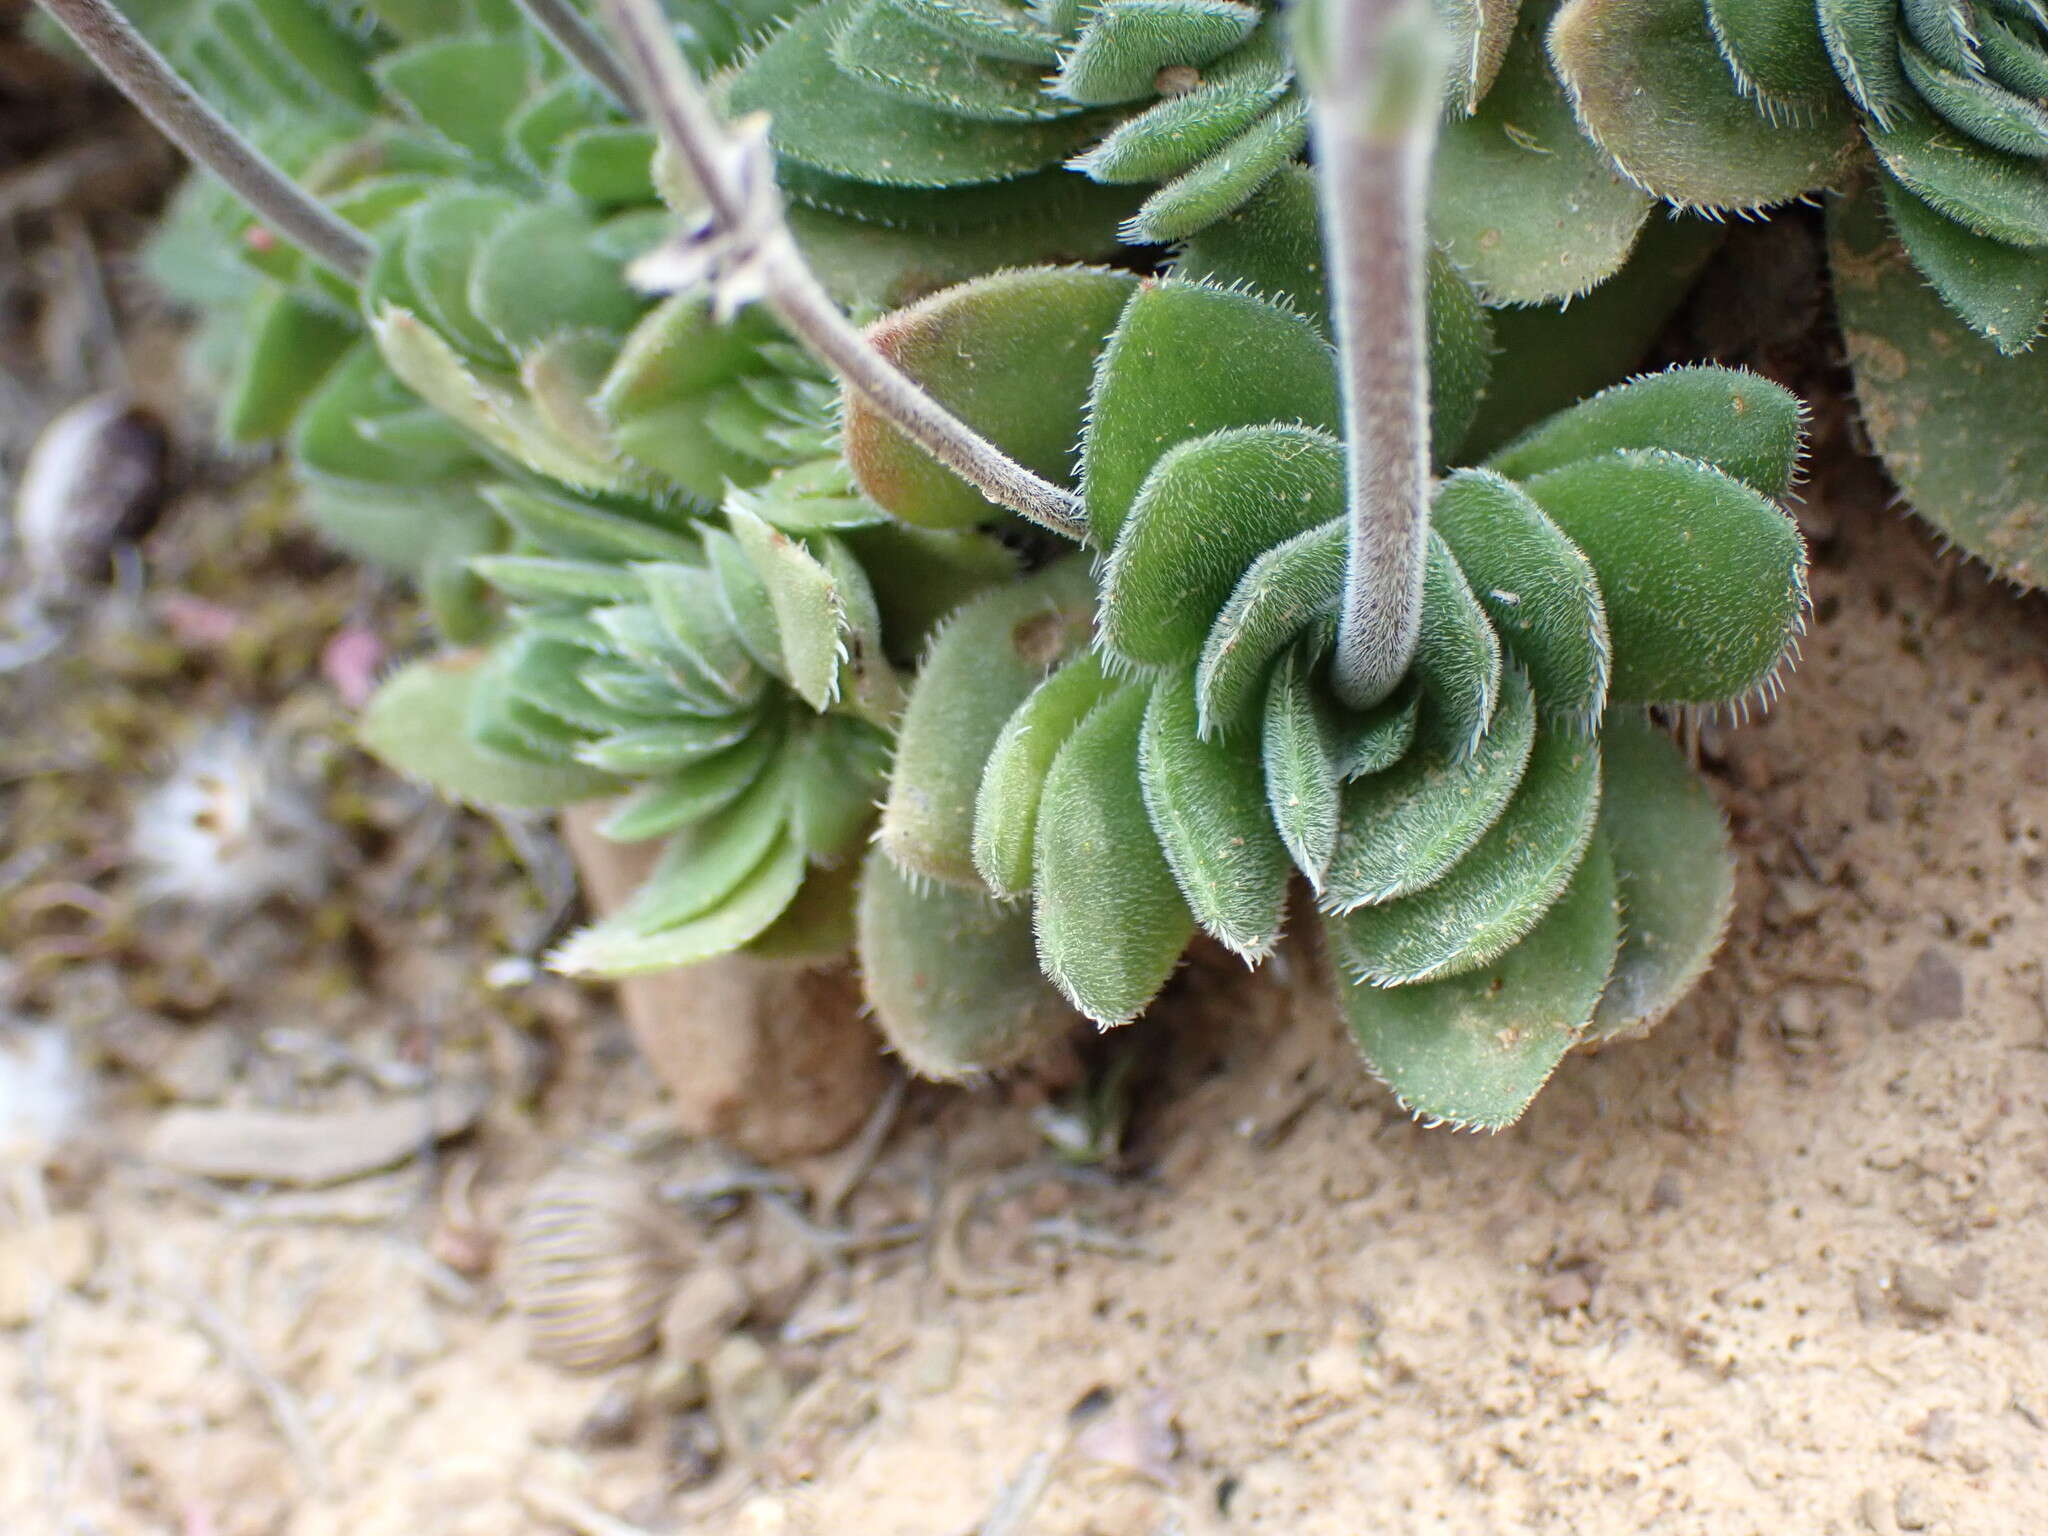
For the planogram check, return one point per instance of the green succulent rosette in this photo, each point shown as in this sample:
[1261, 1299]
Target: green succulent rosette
[1179, 109]
[1934, 110]
[1140, 742]
[633, 515]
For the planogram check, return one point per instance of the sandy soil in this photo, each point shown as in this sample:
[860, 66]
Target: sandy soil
[1777, 1268]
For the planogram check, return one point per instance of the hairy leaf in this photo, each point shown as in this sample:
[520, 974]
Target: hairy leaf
[1208, 805]
[1111, 921]
[415, 725]
[1536, 587]
[1457, 656]
[1124, 44]
[1287, 588]
[1704, 580]
[1498, 891]
[1922, 378]
[1999, 290]
[1006, 804]
[1013, 356]
[982, 666]
[952, 976]
[1187, 360]
[1674, 871]
[1743, 425]
[1302, 782]
[748, 912]
[1209, 508]
[1402, 830]
[1472, 1050]
[1527, 207]
[1681, 129]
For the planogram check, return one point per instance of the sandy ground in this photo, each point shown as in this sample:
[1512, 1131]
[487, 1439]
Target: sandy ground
[1777, 1268]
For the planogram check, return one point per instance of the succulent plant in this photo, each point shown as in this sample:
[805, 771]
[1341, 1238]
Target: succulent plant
[1943, 107]
[1303, 638]
[1094, 766]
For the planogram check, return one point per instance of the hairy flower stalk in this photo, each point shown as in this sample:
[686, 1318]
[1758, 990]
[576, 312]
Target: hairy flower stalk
[127, 59]
[1374, 68]
[749, 252]
[567, 29]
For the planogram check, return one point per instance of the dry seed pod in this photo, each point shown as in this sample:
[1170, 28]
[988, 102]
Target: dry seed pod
[591, 1261]
[96, 479]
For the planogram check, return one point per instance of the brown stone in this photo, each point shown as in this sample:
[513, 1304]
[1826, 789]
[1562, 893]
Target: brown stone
[769, 1056]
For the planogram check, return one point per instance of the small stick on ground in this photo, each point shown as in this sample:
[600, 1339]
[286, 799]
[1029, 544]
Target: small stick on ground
[278, 1399]
[576, 1512]
[859, 1160]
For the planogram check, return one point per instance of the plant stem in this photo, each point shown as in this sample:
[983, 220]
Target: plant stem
[577, 38]
[1374, 69]
[746, 209]
[208, 139]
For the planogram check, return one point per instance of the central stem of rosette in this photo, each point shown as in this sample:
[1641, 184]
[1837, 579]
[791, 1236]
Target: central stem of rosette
[1375, 71]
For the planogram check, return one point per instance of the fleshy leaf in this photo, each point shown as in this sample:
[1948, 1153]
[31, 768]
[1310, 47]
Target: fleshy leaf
[1775, 53]
[1006, 805]
[1681, 129]
[1472, 1050]
[1187, 360]
[881, 45]
[952, 976]
[1111, 921]
[415, 724]
[1402, 830]
[1210, 507]
[809, 609]
[1457, 655]
[537, 273]
[761, 898]
[1498, 891]
[1674, 873]
[1124, 44]
[1207, 803]
[1922, 380]
[463, 88]
[1704, 580]
[1274, 246]
[1529, 209]
[2003, 197]
[690, 793]
[1013, 356]
[841, 124]
[2000, 290]
[1224, 181]
[293, 345]
[1302, 784]
[1286, 589]
[1536, 587]
[984, 663]
[1743, 425]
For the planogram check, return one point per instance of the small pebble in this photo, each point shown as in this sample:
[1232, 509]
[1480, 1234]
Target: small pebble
[694, 1451]
[749, 1394]
[611, 1421]
[1874, 1513]
[1932, 992]
[1566, 1292]
[708, 1305]
[1799, 1021]
[1870, 1297]
[1922, 1291]
[1800, 900]
[934, 1361]
[1915, 1509]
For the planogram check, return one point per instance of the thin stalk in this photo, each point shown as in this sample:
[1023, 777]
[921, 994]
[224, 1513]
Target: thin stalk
[746, 213]
[1374, 68]
[208, 139]
[576, 37]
